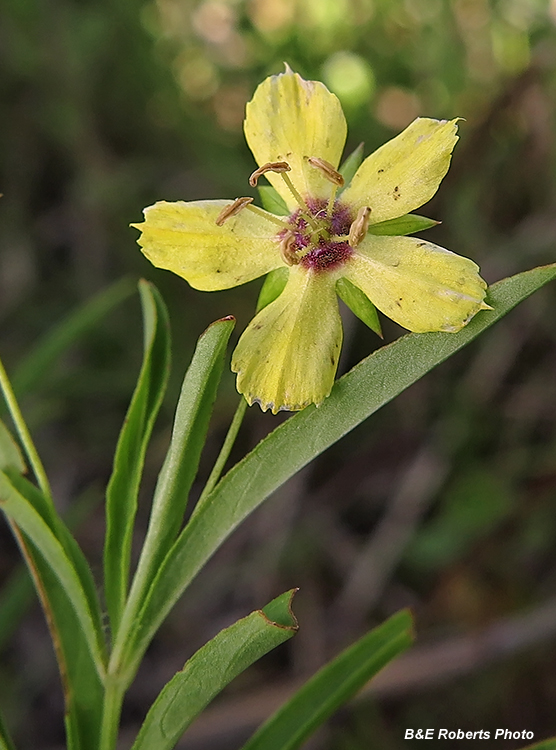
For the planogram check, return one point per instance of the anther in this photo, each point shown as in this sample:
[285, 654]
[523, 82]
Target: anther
[331, 174]
[234, 208]
[287, 250]
[358, 229]
[272, 166]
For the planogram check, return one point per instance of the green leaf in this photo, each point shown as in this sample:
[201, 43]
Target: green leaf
[10, 455]
[549, 744]
[407, 224]
[180, 466]
[6, 742]
[333, 685]
[17, 592]
[211, 668]
[65, 605]
[272, 287]
[123, 488]
[351, 165]
[366, 388]
[59, 529]
[359, 304]
[22, 513]
[37, 363]
[272, 200]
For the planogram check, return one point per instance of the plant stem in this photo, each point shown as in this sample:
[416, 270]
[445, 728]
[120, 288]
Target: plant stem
[113, 699]
[225, 450]
[24, 434]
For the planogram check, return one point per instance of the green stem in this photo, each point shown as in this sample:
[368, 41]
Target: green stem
[113, 699]
[24, 434]
[225, 450]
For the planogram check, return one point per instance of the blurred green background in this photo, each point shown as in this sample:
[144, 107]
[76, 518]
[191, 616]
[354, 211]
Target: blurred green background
[445, 501]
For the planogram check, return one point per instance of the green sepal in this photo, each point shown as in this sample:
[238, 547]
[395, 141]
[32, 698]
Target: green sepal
[211, 668]
[272, 287]
[351, 165]
[10, 455]
[272, 200]
[403, 225]
[359, 304]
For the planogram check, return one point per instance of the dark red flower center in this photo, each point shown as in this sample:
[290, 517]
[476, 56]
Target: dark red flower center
[322, 246]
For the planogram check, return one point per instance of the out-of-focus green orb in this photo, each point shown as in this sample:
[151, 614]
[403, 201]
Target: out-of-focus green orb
[350, 77]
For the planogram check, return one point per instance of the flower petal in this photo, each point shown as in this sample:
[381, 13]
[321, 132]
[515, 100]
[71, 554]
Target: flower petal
[421, 286]
[405, 172]
[287, 356]
[184, 238]
[290, 119]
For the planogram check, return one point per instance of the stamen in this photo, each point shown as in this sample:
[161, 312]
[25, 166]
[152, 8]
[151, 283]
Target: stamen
[267, 216]
[331, 174]
[304, 207]
[271, 166]
[358, 229]
[234, 208]
[287, 250]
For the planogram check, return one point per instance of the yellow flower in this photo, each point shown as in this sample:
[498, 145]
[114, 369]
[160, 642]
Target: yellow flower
[288, 355]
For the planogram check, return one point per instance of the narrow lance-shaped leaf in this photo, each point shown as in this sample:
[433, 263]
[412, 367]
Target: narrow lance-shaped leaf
[6, 742]
[82, 686]
[211, 668]
[180, 466]
[45, 353]
[21, 512]
[10, 454]
[72, 550]
[366, 388]
[11, 462]
[549, 744]
[333, 685]
[17, 592]
[123, 488]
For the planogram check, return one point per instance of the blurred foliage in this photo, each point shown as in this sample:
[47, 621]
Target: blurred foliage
[445, 501]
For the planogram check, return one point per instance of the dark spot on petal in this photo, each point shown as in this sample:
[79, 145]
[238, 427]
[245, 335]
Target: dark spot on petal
[380, 171]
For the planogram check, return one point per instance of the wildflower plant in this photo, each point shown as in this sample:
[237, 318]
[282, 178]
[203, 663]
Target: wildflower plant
[325, 231]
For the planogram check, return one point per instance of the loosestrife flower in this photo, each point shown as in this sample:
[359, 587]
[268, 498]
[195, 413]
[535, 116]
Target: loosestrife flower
[288, 355]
